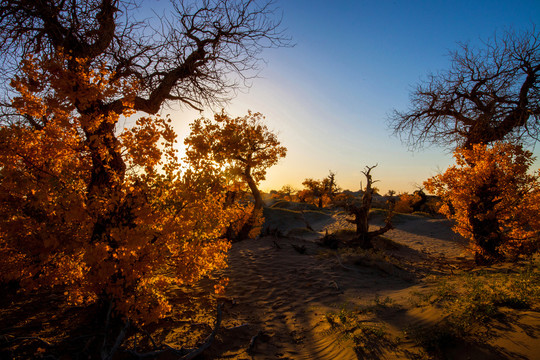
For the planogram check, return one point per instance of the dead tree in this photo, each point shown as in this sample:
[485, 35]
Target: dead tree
[362, 216]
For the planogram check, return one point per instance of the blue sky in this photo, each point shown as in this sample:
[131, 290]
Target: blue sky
[353, 62]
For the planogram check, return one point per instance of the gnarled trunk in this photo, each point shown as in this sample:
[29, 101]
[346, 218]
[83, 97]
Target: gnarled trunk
[254, 189]
[246, 228]
[486, 230]
[361, 215]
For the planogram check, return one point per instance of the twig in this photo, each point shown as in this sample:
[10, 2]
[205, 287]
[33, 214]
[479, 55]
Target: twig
[333, 282]
[145, 332]
[252, 342]
[119, 339]
[305, 221]
[237, 327]
[88, 344]
[27, 338]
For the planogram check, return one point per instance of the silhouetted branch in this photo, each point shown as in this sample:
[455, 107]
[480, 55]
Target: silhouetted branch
[488, 94]
[197, 55]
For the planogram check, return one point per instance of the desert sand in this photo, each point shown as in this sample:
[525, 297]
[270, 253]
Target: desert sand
[277, 302]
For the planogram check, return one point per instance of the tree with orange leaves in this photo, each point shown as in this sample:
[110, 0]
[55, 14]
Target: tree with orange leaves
[320, 192]
[101, 211]
[493, 199]
[105, 213]
[241, 147]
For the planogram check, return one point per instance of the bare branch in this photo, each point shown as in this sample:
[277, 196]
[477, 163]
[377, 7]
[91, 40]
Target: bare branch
[197, 55]
[488, 94]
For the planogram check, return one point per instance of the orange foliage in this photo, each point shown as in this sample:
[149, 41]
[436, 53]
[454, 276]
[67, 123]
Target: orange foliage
[235, 153]
[405, 202]
[98, 210]
[241, 146]
[245, 214]
[317, 192]
[494, 201]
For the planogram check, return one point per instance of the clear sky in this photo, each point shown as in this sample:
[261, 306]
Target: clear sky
[353, 62]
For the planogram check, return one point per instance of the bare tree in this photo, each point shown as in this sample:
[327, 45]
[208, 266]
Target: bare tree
[330, 186]
[360, 211]
[488, 94]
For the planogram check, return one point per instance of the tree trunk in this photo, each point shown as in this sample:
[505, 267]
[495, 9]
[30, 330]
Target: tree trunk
[486, 231]
[254, 190]
[246, 228]
[108, 172]
[361, 216]
[361, 219]
[418, 205]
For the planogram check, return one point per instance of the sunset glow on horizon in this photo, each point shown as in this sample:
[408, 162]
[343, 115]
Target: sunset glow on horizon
[329, 96]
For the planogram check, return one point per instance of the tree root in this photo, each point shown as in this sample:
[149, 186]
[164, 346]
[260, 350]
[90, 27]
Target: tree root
[195, 352]
[119, 340]
[183, 354]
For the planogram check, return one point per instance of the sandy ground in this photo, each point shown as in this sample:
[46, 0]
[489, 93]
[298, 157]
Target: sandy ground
[277, 299]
